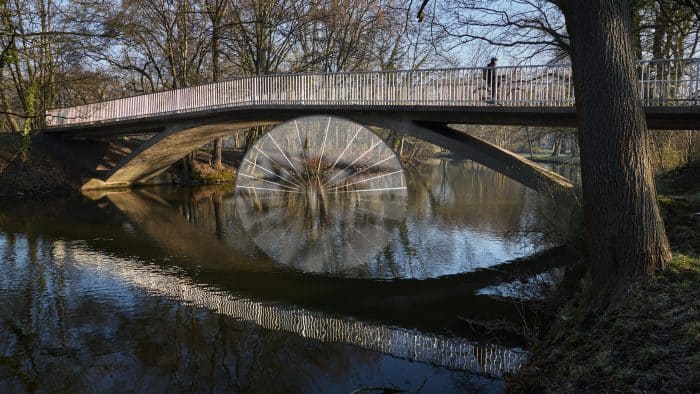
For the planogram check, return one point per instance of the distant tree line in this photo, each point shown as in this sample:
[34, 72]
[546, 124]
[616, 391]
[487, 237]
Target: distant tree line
[74, 52]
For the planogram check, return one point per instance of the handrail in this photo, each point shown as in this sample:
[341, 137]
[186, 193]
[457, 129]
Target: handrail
[662, 82]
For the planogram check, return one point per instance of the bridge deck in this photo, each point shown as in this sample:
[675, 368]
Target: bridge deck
[670, 118]
[521, 95]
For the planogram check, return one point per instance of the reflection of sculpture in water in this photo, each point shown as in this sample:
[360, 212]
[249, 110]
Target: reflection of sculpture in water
[321, 194]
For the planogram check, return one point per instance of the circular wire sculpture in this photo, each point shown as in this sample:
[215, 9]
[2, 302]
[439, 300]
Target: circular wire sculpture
[321, 194]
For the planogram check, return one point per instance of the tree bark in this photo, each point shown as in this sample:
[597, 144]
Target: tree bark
[529, 141]
[625, 237]
[216, 157]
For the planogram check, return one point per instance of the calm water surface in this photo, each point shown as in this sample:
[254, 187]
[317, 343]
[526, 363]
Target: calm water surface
[200, 290]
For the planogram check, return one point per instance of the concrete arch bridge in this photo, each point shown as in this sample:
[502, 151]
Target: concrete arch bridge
[418, 103]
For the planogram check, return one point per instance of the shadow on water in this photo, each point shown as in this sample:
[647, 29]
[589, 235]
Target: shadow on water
[160, 287]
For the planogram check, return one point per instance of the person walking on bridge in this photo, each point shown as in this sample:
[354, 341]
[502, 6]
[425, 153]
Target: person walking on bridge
[491, 79]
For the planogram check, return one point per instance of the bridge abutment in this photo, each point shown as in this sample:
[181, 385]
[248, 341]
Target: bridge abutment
[163, 150]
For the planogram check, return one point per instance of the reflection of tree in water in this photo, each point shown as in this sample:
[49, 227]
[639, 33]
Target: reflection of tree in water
[483, 218]
[209, 209]
[476, 197]
[333, 235]
[470, 195]
[459, 216]
[320, 194]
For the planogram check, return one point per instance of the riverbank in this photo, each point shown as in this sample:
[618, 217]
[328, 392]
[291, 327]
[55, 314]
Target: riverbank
[32, 169]
[47, 166]
[548, 158]
[652, 343]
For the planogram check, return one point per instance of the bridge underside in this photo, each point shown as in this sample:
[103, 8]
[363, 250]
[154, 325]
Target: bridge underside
[177, 140]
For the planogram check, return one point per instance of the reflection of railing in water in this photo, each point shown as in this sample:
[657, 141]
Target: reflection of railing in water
[452, 353]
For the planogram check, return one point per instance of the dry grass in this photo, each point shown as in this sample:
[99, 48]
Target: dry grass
[205, 174]
[652, 342]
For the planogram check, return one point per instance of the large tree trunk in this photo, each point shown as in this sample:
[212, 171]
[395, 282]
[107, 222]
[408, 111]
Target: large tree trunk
[625, 237]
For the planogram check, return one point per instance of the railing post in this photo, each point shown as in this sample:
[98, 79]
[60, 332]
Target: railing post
[256, 89]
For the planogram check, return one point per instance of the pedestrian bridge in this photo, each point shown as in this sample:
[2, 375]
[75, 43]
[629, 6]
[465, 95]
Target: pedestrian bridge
[420, 103]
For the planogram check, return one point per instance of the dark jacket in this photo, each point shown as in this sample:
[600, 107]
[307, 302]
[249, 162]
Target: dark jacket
[489, 73]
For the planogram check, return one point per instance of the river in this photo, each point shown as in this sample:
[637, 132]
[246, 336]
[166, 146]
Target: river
[191, 289]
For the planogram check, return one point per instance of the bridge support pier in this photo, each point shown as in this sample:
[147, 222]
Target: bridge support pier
[492, 156]
[98, 184]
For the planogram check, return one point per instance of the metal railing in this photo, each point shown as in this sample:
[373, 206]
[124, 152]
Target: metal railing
[669, 82]
[662, 83]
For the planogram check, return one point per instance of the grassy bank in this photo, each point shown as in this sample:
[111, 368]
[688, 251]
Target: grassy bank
[204, 174]
[548, 158]
[652, 343]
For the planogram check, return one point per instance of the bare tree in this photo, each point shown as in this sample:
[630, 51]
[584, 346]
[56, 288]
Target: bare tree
[214, 10]
[525, 29]
[260, 34]
[41, 42]
[625, 237]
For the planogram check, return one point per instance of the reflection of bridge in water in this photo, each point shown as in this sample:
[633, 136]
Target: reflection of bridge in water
[419, 103]
[165, 228]
[163, 223]
[428, 306]
[456, 353]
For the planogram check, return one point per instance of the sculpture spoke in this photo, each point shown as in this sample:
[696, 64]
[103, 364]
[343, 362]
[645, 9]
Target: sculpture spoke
[341, 188]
